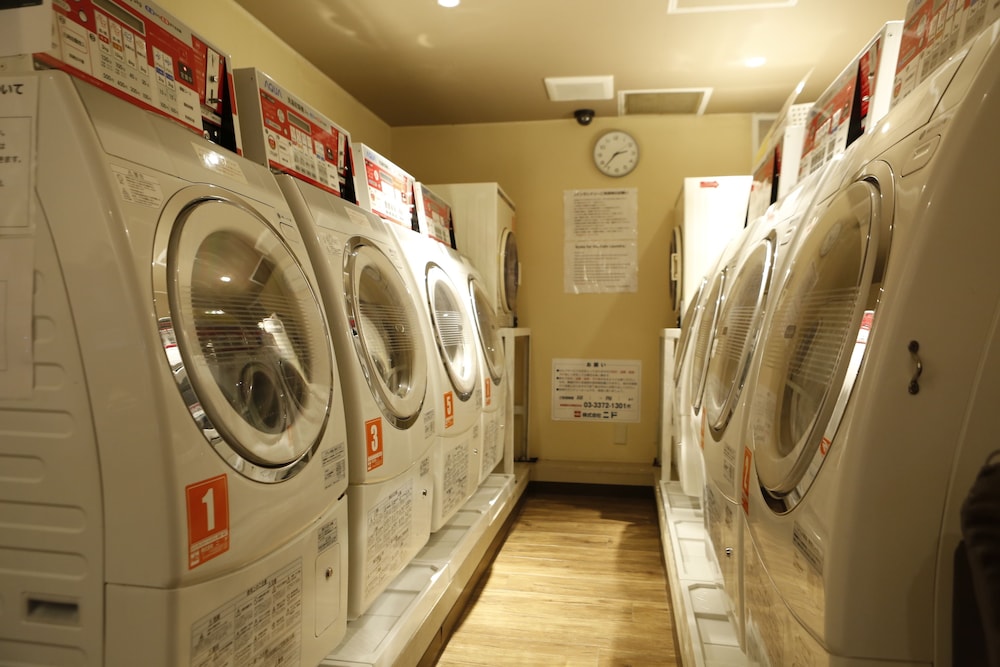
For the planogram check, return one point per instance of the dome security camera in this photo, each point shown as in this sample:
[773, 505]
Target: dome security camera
[584, 116]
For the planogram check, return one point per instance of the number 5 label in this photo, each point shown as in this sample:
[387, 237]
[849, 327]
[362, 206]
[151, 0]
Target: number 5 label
[208, 520]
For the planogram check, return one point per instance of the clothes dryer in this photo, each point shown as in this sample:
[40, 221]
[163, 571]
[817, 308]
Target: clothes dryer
[173, 437]
[380, 341]
[453, 378]
[676, 270]
[869, 418]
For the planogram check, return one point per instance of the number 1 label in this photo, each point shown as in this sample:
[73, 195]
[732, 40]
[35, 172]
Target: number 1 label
[208, 520]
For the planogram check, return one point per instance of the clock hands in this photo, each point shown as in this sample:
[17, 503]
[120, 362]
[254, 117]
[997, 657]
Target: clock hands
[613, 156]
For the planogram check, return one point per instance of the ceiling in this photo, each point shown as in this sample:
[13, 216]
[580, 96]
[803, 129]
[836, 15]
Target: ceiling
[412, 62]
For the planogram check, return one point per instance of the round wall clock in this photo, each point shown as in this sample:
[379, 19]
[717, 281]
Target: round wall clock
[616, 153]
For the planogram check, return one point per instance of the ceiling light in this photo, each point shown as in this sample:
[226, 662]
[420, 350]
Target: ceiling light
[756, 61]
[449, 3]
[694, 6]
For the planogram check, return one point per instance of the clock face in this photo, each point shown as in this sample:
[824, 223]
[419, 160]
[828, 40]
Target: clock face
[616, 153]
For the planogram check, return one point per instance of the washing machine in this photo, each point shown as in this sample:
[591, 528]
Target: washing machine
[694, 346]
[484, 233]
[375, 320]
[873, 407]
[453, 376]
[492, 371]
[728, 378]
[681, 410]
[174, 447]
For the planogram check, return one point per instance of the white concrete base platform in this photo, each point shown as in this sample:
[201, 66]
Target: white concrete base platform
[705, 632]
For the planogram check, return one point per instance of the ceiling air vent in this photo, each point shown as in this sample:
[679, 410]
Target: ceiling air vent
[663, 101]
[566, 88]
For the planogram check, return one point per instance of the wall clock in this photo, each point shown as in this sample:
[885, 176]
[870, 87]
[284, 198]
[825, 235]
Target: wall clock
[616, 153]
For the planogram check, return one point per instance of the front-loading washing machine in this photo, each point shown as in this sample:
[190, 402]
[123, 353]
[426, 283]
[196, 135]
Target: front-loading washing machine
[453, 374]
[873, 407]
[680, 395]
[174, 451]
[380, 342]
[484, 232]
[697, 334]
[492, 371]
[728, 383]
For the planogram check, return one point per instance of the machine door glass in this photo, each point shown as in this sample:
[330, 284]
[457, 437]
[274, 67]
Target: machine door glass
[704, 336]
[386, 331]
[508, 272]
[814, 342]
[244, 334]
[454, 332]
[489, 333]
[688, 324]
[736, 336]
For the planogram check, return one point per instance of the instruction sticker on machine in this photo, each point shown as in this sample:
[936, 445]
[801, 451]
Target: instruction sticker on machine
[604, 390]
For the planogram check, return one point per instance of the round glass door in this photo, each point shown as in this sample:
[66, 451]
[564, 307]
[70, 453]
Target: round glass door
[688, 325]
[814, 343]
[454, 332]
[386, 331]
[704, 337]
[736, 336]
[508, 271]
[489, 333]
[243, 332]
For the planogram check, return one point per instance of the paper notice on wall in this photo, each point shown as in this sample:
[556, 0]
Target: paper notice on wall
[600, 252]
[601, 266]
[604, 390]
[25, 27]
[16, 270]
[18, 112]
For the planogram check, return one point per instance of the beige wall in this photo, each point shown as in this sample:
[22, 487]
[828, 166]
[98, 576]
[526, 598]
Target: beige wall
[535, 163]
[233, 30]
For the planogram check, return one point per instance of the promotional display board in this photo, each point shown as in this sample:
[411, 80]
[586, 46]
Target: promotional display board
[854, 102]
[286, 134]
[433, 215]
[383, 188]
[140, 53]
[934, 30]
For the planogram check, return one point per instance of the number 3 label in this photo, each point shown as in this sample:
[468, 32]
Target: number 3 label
[449, 409]
[208, 520]
[373, 440]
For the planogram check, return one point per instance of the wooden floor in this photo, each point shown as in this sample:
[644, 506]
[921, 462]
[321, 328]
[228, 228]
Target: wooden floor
[579, 581]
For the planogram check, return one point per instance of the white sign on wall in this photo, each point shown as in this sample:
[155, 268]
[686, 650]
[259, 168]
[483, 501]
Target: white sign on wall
[605, 390]
[601, 230]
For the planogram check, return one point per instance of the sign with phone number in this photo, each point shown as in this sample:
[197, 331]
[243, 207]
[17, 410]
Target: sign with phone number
[606, 390]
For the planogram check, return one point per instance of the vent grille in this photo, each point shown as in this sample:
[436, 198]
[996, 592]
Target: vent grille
[664, 101]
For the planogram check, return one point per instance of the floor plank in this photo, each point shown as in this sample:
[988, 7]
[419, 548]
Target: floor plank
[579, 581]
